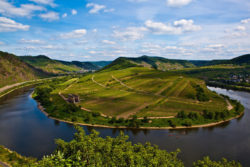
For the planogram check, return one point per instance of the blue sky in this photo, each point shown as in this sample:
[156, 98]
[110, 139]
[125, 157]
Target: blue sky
[88, 30]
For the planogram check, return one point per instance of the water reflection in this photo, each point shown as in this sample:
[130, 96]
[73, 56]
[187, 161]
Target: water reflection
[25, 129]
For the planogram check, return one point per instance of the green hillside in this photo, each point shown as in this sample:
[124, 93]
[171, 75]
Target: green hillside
[13, 70]
[240, 60]
[158, 63]
[143, 92]
[49, 65]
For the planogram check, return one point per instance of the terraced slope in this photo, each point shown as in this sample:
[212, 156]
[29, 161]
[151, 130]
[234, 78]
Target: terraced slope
[13, 70]
[143, 92]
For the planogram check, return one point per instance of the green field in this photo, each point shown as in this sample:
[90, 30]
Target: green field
[142, 92]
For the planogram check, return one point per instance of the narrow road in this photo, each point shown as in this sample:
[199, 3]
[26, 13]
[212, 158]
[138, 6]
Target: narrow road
[2, 164]
[123, 84]
[98, 82]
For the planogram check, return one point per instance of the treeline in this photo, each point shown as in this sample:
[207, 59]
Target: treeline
[92, 150]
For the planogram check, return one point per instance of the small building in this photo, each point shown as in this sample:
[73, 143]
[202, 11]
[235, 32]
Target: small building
[73, 98]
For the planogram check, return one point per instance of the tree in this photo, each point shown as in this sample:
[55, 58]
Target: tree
[92, 150]
[206, 162]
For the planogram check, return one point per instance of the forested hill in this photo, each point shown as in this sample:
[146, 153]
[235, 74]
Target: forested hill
[240, 60]
[13, 70]
[59, 66]
[158, 63]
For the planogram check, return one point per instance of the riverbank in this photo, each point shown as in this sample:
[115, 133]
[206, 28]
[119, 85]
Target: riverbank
[10, 88]
[41, 108]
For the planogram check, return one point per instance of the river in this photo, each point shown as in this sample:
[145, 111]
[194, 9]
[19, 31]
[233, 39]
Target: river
[25, 129]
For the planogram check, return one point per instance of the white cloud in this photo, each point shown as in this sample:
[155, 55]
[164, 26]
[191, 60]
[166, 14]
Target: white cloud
[8, 25]
[45, 2]
[178, 27]
[25, 10]
[94, 30]
[73, 12]
[92, 52]
[178, 3]
[216, 46]
[50, 16]
[64, 15]
[2, 43]
[32, 41]
[131, 33]
[74, 34]
[108, 42]
[240, 28]
[96, 8]
[245, 21]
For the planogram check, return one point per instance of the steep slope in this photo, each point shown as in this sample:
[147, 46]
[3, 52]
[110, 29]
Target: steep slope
[240, 60]
[143, 92]
[13, 70]
[158, 63]
[49, 65]
[82, 65]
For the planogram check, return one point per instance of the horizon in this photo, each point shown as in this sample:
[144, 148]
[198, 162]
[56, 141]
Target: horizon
[126, 57]
[93, 30]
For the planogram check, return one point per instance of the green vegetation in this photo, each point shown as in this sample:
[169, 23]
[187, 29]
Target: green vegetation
[49, 65]
[14, 159]
[92, 150]
[158, 63]
[60, 67]
[135, 97]
[13, 70]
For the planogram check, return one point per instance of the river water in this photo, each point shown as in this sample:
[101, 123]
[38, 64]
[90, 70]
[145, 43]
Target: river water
[25, 129]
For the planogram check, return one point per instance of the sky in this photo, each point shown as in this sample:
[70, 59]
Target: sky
[91, 30]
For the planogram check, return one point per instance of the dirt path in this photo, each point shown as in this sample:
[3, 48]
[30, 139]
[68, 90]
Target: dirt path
[229, 105]
[123, 84]
[2, 164]
[98, 82]
[157, 117]
[164, 88]
[127, 114]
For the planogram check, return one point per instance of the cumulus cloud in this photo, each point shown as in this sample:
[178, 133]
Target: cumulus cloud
[131, 33]
[45, 2]
[64, 15]
[73, 12]
[178, 3]
[50, 16]
[96, 8]
[178, 27]
[240, 28]
[245, 21]
[74, 34]
[25, 10]
[8, 25]
[108, 42]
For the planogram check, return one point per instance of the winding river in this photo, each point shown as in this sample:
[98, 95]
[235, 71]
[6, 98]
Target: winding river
[25, 129]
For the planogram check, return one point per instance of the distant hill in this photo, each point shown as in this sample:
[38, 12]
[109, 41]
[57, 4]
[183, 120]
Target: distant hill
[13, 70]
[49, 65]
[240, 60]
[158, 63]
[60, 67]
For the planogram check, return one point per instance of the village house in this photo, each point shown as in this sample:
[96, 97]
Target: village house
[73, 98]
